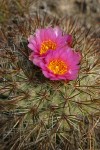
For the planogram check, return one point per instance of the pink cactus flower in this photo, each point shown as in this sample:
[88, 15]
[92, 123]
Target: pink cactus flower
[62, 64]
[45, 40]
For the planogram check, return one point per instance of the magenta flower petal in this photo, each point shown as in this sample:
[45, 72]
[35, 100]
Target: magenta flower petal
[51, 51]
[48, 39]
[58, 66]
[69, 40]
[32, 43]
[31, 57]
[57, 31]
[31, 46]
[30, 38]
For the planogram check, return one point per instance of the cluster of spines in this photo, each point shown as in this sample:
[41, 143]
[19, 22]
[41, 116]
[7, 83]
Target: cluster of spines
[43, 110]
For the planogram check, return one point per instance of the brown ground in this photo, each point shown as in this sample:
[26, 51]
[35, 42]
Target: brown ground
[87, 11]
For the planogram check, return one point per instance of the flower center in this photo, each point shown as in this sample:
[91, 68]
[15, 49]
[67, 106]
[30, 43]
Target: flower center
[46, 45]
[58, 66]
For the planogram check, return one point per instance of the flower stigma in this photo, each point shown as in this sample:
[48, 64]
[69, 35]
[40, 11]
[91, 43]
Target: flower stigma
[47, 45]
[58, 66]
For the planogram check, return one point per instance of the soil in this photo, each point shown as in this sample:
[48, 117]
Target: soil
[86, 11]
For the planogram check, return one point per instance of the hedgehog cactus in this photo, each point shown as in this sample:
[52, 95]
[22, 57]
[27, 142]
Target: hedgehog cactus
[40, 113]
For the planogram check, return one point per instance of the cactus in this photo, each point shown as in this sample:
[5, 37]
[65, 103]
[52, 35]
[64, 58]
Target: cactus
[41, 114]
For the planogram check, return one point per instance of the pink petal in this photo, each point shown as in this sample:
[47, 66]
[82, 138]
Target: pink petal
[57, 31]
[69, 39]
[31, 46]
[30, 38]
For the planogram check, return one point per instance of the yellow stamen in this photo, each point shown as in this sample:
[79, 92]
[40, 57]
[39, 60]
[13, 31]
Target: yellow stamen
[58, 66]
[47, 45]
